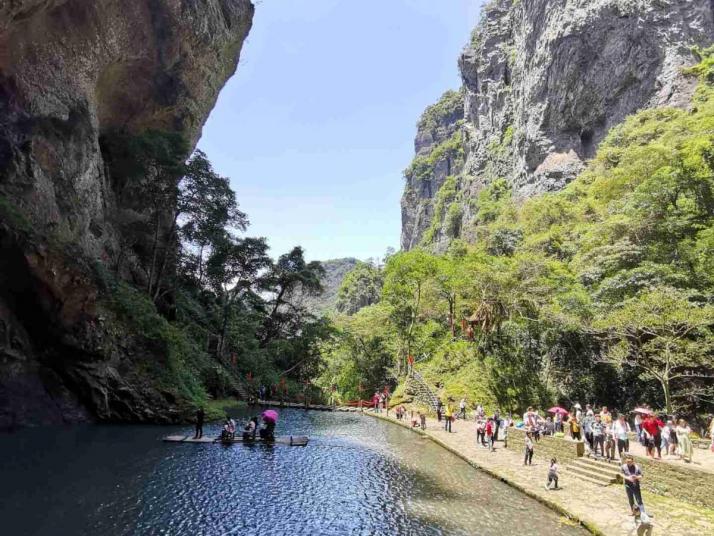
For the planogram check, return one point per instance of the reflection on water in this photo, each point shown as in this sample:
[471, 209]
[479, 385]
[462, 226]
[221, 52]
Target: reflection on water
[357, 476]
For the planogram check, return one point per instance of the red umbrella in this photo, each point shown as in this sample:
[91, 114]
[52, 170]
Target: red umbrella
[558, 409]
[270, 415]
[643, 411]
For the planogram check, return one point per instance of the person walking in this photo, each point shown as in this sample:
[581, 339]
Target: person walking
[632, 475]
[496, 424]
[462, 408]
[439, 409]
[685, 444]
[552, 474]
[528, 459]
[200, 417]
[448, 415]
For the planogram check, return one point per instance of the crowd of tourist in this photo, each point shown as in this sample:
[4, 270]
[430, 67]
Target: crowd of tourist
[607, 436]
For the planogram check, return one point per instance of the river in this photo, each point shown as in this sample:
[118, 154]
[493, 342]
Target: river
[357, 476]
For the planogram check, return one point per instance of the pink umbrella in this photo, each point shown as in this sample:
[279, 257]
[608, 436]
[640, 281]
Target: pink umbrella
[558, 409]
[643, 411]
[270, 415]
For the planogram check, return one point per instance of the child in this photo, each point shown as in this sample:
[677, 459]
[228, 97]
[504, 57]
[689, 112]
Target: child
[552, 474]
[529, 450]
[422, 420]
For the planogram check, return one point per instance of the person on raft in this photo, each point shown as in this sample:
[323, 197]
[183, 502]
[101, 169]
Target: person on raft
[229, 429]
[250, 429]
[267, 432]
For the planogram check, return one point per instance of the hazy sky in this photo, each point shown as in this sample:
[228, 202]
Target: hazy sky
[318, 123]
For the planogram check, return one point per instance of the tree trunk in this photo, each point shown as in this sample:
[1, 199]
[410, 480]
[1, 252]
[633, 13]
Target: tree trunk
[167, 248]
[154, 246]
[667, 395]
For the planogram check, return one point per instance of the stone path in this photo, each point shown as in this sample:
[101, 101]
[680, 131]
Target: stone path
[604, 510]
[702, 459]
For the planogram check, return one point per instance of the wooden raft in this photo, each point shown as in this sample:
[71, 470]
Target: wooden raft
[292, 441]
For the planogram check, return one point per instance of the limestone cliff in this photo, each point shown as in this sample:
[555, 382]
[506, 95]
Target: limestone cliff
[543, 82]
[71, 71]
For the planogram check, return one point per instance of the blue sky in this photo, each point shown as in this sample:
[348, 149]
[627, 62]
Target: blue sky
[318, 123]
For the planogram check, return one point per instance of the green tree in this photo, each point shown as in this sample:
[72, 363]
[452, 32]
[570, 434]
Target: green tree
[406, 275]
[664, 336]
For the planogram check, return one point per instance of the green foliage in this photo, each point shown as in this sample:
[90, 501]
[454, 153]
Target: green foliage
[449, 108]
[602, 292]
[361, 287]
[445, 197]
[423, 166]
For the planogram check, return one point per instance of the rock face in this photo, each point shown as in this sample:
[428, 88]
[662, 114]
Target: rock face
[70, 71]
[543, 83]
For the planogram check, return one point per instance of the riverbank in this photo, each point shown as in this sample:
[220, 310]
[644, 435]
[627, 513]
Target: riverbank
[602, 510]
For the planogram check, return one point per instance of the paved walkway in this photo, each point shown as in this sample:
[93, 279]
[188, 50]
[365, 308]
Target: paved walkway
[702, 459]
[604, 510]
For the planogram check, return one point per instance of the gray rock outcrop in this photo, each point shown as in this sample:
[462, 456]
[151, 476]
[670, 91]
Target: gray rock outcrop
[71, 71]
[543, 83]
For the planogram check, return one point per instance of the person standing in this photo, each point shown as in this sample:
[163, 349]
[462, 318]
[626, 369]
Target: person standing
[462, 408]
[439, 409]
[558, 422]
[632, 475]
[480, 433]
[448, 415]
[609, 442]
[638, 425]
[422, 420]
[528, 459]
[620, 430]
[598, 433]
[200, 416]
[652, 427]
[575, 428]
[496, 424]
[489, 434]
[605, 416]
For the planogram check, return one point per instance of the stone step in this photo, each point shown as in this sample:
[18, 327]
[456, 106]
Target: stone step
[602, 466]
[593, 481]
[603, 479]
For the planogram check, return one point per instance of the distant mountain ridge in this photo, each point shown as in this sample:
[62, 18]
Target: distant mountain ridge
[335, 272]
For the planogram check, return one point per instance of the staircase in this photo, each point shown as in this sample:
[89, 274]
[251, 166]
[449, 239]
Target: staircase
[596, 472]
[422, 392]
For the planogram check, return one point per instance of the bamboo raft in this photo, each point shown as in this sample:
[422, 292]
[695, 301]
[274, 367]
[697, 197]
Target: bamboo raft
[291, 441]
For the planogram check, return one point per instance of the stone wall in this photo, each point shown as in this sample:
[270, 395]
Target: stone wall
[548, 447]
[680, 482]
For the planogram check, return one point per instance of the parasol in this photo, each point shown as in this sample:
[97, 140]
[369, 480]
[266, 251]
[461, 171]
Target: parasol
[270, 415]
[558, 409]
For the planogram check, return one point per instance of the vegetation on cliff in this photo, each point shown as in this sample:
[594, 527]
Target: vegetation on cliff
[220, 314]
[601, 292]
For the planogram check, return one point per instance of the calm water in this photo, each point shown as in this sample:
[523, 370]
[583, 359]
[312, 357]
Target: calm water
[357, 476]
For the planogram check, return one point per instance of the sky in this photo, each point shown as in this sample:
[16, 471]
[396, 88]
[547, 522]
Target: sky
[318, 122]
